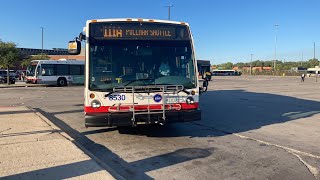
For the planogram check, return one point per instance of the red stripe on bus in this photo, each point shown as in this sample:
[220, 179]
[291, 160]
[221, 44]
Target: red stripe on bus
[104, 109]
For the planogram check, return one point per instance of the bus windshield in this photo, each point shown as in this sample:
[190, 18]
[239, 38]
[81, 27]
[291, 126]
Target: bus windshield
[31, 69]
[120, 63]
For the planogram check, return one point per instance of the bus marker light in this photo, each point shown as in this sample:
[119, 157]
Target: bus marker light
[92, 96]
[193, 92]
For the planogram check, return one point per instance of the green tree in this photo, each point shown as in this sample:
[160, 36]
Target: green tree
[27, 60]
[239, 64]
[228, 65]
[9, 55]
[313, 62]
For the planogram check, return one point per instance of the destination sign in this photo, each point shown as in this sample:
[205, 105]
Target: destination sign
[133, 30]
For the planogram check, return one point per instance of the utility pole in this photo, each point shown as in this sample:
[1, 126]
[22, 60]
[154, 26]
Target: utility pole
[251, 65]
[275, 47]
[314, 58]
[169, 11]
[314, 50]
[42, 40]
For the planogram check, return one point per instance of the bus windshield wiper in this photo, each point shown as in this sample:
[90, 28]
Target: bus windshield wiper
[136, 80]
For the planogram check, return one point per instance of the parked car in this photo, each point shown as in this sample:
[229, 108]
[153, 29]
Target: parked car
[3, 77]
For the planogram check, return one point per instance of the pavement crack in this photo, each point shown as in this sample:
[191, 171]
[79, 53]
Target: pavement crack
[311, 169]
[5, 130]
[292, 151]
[279, 146]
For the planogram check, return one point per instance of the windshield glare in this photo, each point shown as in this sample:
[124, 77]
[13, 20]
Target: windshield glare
[121, 63]
[31, 70]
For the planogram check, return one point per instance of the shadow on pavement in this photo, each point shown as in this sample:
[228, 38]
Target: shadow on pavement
[233, 111]
[14, 112]
[57, 172]
[128, 170]
[239, 111]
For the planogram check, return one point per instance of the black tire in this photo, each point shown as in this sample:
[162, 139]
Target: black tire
[62, 82]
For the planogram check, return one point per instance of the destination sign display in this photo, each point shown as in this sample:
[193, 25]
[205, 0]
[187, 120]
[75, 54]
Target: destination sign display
[137, 30]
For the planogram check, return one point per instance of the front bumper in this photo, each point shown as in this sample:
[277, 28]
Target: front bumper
[125, 119]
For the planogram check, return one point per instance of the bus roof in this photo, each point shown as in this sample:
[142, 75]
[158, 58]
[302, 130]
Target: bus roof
[313, 69]
[222, 70]
[61, 61]
[136, 20]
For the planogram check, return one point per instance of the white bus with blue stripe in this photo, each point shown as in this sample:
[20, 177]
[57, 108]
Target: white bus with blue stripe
[56, 72]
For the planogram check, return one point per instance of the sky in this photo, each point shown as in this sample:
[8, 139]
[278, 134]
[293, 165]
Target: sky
[223, 30]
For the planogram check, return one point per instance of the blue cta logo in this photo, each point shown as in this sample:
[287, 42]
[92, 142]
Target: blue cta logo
[157, 98]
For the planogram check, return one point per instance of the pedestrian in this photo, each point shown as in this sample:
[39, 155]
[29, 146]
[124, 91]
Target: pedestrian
[302, 77]
[22, 76]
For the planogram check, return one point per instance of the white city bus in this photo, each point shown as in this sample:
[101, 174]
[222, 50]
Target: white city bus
[313, 71]
[139, 71]
[61, 72]
[225, 73]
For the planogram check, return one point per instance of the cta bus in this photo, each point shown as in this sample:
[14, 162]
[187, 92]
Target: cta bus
[226, 73]
[313, 71]
[139, 71]
[61, 72]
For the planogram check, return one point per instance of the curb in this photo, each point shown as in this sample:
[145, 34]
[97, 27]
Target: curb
[107, 168]
[24, 85]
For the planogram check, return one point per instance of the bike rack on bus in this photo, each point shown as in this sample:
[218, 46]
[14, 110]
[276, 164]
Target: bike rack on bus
[133, 107]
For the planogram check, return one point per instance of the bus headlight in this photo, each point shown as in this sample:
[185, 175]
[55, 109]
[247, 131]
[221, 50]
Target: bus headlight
[95, 104]
[190, 100]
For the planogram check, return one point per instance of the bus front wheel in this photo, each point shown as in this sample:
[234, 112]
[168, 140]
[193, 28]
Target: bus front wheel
[62, 82]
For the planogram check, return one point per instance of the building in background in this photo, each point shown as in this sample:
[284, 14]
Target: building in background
[54, 53]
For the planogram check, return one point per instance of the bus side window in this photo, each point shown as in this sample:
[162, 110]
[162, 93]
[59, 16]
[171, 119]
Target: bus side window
[48, 69]
[75, 70]
[62, 69]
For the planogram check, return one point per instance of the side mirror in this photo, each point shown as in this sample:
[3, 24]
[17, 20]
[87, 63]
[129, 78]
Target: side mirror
[82, 37]
[74, 47]
[204, 87]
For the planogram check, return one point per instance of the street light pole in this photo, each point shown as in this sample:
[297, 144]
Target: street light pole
[42, 39]
[251, 65]
[275, 47]
[314, 58]
[169, 11]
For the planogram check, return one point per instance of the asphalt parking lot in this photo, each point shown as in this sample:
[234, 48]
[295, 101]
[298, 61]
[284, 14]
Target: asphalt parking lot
[252, 128]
